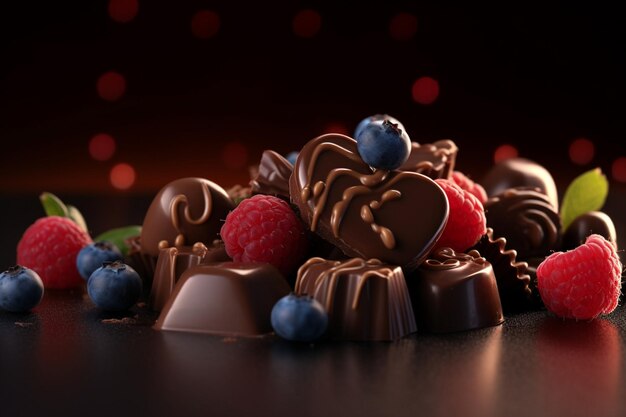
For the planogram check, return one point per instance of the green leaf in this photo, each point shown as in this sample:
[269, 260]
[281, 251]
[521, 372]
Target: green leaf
[52, 205]
[586, 193]
[77, 217]
[119, 236]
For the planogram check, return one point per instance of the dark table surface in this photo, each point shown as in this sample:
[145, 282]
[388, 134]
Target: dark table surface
[68, 358]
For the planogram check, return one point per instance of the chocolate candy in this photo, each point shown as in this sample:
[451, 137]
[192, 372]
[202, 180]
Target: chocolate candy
[389, 215]
[184, 212]
[526, 219]
[520, 172]
[365, 300]
[273, 176]
[455, 291]
[594, 222]
[435, 160]
[511, 275]
[226, 298]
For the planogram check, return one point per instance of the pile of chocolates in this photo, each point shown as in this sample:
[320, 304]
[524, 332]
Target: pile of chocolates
[371, 258]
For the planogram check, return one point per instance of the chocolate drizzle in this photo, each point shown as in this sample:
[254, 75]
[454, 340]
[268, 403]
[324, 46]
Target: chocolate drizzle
[181, 199]
[435, 160]
[446, 258]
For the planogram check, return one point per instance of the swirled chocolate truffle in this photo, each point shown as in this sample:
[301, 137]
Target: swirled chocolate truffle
[526, 219]
[594, 222]
[273, 176]
[365, 300]
[435, 160]
[455, 291]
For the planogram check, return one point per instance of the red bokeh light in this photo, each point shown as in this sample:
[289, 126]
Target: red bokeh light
[425, 90]
[403, 26]
[618, 169]
[307, 23]
[581, 151]
[102, 147]
[505, 151]
[205, 24]
[235, 155]
[123, 11]
[337, 127]
[122, 176]
[111, 86]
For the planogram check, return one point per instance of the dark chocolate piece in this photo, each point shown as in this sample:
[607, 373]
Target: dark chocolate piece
[511, 275]
[435, 160]
[520, 172]
[184, 212]
[594, 222]
[229, 298]
[273, 176]
[365, 300]
[393, 216]
[455, 291]
[526, 219]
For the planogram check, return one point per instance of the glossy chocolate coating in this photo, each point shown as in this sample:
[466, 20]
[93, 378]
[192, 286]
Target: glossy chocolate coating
[389, 215]
[594, 222]
[435, 160]
[184, 212]
[229, 298]
[365, 300]
[520, 172]
[511, 275]
[526, 219]
[273, 176]
[455, 291]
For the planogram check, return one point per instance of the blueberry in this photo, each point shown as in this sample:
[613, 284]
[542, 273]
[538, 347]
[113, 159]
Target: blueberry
[21, 289]
[299, 318]
[114, 286]
[291, 157]
[91, 257]
[383, 145]
[375, 118]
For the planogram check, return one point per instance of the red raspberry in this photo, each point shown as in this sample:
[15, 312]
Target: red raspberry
[582, 283]
[265, 229]
[49, 246]
[468, 185]
[466, 222]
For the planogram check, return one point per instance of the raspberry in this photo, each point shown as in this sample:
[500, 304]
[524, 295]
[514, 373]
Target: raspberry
[467, 184]
[264, 229]
[582, 283]
[466, 222]
[49, 247]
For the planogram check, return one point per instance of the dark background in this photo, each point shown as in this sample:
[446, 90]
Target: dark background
[533, 77]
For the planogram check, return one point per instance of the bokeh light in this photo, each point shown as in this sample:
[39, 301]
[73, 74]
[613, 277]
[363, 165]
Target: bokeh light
[337, 127]
[111, 86]
[425, 90]
[205, 24]
[307, 23]
[505, 151]
[618, 169]
[235, 155]
[102, 147]
[122, 176]
[581, 151]
[123, 11]
[403, 26]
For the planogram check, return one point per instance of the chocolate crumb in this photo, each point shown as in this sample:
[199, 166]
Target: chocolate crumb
[23, 324]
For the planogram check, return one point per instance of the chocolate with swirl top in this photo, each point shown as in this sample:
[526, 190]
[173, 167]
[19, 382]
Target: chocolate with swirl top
[435, 160]
[526, 219]
[455, 291]
[365, 300]
[273, 176]
[389, 215]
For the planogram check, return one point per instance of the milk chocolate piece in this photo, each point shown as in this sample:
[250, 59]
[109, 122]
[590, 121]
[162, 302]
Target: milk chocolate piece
[393, 216]
[273, 176]
[455, 291]
[435, 160]
[229, 298]
[526, 219]
[511, 275]
[184, 212]
[520, 172]
[365, 300]
[594, 222]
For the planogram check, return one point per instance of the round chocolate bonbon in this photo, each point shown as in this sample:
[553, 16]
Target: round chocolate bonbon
[594, 222]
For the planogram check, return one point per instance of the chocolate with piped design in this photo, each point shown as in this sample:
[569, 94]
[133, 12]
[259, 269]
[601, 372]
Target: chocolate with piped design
[365, 300]
[393, 216]
[435, 160]
[453, 292]
[273, 176]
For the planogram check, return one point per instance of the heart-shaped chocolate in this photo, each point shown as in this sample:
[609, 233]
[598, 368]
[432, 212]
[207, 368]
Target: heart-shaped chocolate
[393, 216]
